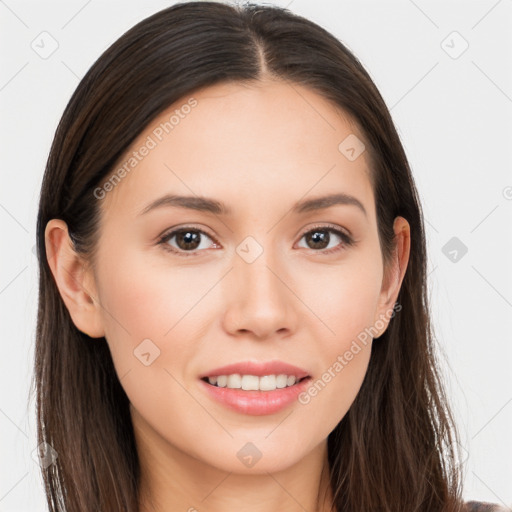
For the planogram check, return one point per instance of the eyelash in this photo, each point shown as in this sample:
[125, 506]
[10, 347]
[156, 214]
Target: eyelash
[347, 241]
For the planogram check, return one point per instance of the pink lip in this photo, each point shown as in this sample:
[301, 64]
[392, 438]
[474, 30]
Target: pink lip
[258, 368]
[255, 403]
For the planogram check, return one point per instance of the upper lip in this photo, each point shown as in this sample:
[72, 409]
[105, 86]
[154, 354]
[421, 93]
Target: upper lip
[257, 368]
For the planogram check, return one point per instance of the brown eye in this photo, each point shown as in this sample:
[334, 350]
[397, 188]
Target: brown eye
[187, 240]
[321, 238]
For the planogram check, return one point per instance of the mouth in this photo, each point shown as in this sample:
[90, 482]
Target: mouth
[254, 382]
[255, 395]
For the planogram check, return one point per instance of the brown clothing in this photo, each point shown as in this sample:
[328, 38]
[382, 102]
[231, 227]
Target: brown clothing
[480, 506]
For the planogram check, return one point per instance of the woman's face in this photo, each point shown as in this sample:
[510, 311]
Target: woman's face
[259, 280]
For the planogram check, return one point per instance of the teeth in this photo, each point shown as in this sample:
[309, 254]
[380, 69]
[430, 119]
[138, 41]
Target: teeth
[267, 382]
[281, 381]
[250, 382]
[253, 382]
[234, 381]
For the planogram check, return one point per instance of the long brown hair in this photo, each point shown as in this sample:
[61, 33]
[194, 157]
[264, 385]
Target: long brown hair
[394, 449]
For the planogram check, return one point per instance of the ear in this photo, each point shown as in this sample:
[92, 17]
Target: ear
[394, 274]
[76, 285]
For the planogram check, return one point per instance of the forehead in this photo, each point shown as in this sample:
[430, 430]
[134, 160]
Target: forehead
[263, 142]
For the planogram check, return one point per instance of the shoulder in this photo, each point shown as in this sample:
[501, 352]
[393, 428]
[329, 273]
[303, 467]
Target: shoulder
[480, 506]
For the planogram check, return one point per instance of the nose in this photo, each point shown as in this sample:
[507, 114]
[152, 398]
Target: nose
[259, 298]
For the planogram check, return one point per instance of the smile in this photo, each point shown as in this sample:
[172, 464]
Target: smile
[247, 394]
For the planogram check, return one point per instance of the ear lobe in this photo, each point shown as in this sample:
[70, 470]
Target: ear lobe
[69, 271]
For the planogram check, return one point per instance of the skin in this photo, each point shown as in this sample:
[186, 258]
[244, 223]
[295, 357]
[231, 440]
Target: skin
[258, 148]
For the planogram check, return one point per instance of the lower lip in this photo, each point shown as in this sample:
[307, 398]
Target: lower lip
[256, 403]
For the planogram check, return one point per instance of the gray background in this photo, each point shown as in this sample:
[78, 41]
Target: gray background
[452, 106]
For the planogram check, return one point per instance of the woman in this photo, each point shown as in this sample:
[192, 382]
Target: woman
[233, 305]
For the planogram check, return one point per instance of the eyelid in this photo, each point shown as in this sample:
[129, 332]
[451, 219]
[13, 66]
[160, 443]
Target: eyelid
[327, 226]
[174, 230]
[345, 235]
[171, 232]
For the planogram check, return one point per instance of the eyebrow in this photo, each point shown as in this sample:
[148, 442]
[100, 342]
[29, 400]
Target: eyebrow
[206, 204]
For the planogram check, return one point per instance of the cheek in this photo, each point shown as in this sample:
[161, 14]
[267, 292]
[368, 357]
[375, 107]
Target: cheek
[333, 390]
[346, 302]
[344, 298]
[152, 313]
[142, 299]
